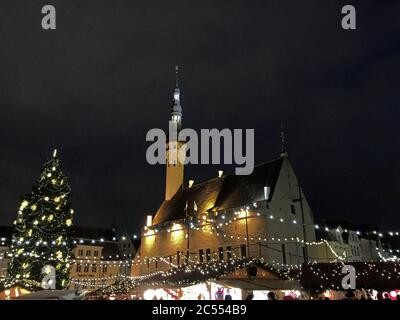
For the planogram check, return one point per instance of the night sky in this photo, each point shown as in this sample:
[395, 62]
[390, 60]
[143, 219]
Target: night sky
[96, 85]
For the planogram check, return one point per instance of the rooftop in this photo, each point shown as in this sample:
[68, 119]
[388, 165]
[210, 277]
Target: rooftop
[222, 193]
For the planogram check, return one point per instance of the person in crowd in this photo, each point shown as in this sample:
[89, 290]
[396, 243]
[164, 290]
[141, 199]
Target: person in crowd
[228, 295]
[385, 296]
[250, 296]
[219, 295]
[350, 295]
[271, 296]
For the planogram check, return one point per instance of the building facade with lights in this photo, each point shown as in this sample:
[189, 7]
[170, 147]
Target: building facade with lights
[348, 245]
[99, 257]
[5, 243]
[4, 261]
[96, 266]
[264, 215]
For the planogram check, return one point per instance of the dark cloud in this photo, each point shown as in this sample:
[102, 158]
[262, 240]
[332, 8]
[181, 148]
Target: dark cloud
[93, 88]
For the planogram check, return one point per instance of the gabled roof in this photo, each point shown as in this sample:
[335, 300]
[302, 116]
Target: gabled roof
[111, 251]
[222, 193]
[179, 277]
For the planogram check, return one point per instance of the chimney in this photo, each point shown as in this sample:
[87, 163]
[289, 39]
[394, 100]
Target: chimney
[149, 220]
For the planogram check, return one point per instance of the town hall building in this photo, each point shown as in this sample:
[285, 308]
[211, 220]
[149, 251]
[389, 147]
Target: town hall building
[264, 215]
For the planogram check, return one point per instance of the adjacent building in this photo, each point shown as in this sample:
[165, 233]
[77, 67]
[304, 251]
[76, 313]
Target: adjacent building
[99, 258]
[5, 243]
[97, 265]
[346, 243]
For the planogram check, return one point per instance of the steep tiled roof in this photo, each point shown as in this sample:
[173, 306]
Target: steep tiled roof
[226, 192]
[111, 251]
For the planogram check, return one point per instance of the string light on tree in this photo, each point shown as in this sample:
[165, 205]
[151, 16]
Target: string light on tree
[40, 236]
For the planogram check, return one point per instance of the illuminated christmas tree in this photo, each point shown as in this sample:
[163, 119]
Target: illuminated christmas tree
[41, 232]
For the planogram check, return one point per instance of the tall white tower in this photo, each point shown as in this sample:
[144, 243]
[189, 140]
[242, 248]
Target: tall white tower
[175, 165]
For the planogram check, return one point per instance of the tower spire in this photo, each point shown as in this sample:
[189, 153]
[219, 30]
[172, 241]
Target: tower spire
[176, 109]
[175, 165]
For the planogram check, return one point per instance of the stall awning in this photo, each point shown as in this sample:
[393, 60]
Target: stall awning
[369, 275]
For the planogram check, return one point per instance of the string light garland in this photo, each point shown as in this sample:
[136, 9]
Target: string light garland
[225, 217]
[217, 226]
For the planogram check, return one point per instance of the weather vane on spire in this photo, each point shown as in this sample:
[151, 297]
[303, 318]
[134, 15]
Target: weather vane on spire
[176, 76]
